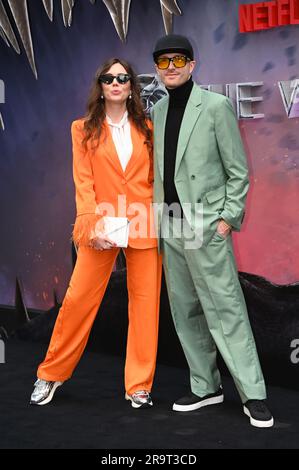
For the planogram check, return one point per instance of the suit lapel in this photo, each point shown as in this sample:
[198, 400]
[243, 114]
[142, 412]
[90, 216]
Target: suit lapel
[159, 133]
[137, 142]
[191, 114]
[111, 153]
[110, 150]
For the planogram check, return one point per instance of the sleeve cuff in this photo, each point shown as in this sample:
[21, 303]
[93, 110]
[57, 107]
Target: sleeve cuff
[84, 228]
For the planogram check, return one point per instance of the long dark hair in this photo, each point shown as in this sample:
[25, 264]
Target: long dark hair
[95, 113]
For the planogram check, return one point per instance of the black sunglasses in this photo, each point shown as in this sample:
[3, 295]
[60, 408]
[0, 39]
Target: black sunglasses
[121, 78]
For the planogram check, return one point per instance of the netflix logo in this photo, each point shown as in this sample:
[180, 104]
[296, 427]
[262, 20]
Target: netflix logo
[265, 15]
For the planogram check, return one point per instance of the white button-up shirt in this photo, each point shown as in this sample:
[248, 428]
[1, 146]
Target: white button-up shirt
[121, 134]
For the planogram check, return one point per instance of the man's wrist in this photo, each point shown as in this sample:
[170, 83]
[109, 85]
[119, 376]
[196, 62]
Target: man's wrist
[226, 224]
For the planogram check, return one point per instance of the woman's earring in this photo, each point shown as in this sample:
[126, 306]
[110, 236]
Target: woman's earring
[102, 97]
[130, 96]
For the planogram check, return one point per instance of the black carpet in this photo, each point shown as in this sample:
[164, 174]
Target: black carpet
[89, 411]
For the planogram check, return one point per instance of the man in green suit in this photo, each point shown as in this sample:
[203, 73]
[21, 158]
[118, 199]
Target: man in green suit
[200, 187]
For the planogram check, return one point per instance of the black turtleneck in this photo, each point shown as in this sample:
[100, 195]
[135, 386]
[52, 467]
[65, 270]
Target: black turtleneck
[178, 98]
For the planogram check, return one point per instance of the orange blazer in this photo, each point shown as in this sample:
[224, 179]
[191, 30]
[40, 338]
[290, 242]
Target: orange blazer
[99, 178]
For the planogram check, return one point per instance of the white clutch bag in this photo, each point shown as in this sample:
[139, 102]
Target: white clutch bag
[117, 229]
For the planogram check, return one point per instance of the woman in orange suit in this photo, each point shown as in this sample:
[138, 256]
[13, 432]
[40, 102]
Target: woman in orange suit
[112, 167]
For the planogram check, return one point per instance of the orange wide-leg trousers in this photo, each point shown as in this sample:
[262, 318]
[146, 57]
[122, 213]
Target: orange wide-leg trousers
[80, 306]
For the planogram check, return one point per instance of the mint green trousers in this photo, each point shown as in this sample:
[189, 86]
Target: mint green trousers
[209, 311]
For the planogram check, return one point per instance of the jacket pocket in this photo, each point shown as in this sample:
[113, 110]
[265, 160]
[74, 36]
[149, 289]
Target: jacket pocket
[216, 194]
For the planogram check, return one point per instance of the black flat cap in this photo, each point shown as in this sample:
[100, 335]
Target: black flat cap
[173, 43]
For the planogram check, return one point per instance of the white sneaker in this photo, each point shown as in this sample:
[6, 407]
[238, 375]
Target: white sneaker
[43, 392]
[140, 399]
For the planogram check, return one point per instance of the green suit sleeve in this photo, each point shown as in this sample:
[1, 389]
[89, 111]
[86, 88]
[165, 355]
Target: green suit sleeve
[234, 162]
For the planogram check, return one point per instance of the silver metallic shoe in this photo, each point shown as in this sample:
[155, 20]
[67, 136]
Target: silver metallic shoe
[140, 399]
[43, 392]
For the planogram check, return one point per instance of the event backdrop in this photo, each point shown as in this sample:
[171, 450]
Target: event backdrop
[36, 186]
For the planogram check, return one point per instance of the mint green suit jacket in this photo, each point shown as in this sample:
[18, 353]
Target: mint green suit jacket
[211, 167]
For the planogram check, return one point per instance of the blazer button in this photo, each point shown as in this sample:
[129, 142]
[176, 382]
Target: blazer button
[199, 200]
[193, 177]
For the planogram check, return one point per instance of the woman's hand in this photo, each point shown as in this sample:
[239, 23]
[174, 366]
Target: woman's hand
[102, 242]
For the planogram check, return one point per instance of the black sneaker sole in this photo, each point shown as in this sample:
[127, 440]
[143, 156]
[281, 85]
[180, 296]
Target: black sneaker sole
[257, 423]
[199, 404]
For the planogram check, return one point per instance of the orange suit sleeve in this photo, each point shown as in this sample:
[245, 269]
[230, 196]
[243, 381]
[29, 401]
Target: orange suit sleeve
[86, 218]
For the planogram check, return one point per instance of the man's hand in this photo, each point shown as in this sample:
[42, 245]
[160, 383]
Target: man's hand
[223, 228]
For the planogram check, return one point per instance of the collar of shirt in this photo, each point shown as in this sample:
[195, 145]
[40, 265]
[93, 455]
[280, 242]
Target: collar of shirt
[119, 124]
